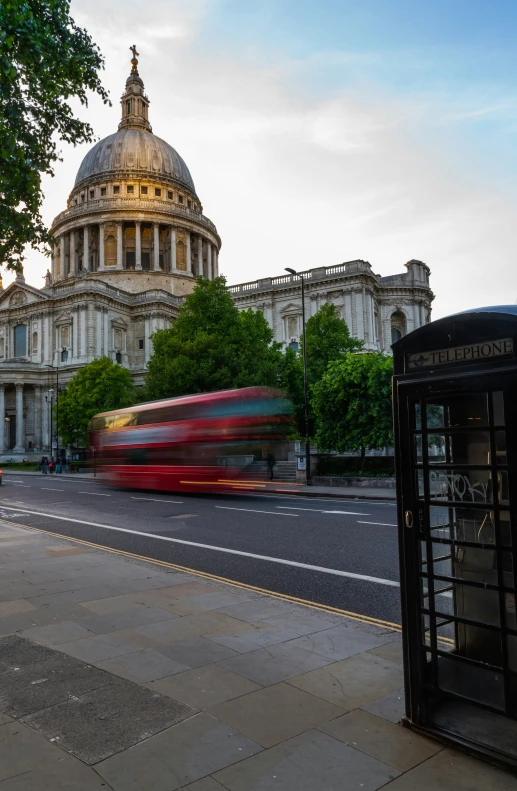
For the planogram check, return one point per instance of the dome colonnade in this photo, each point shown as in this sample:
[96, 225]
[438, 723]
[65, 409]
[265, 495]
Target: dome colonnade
[134, 208]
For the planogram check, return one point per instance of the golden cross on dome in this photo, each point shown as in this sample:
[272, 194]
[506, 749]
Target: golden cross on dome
[134, 62]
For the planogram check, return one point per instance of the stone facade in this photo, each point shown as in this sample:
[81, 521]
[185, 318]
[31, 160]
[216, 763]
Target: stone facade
[128, 248]
[378, 310]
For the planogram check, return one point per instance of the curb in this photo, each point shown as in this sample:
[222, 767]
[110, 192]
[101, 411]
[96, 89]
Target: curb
[70, 475]
[306, 492]
[346, 496]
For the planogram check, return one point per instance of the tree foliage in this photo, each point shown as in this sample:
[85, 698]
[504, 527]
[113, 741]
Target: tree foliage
[328, 339]
[352, 403]
[212, 346]
[98, 387]
[45, 60]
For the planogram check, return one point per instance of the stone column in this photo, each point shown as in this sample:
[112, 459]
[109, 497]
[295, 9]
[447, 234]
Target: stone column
[138, 246]
[189, 254]
[62, 257]
[20, 428]
[2, 418]
[107, 339]
[101, 246]
[199, 256]
[173, 250]
[119, 246]
[71, 265]
[37, 417]
[86, 250]
[416, 322]
[215, 265]
[209, 261]
[53, 263]
[156, 246]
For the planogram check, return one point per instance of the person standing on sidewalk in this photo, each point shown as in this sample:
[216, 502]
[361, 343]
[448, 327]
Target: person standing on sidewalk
[270, 461]
[44, 465]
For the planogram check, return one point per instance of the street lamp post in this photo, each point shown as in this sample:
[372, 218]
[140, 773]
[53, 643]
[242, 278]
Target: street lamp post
[56, 367]
[48, 399]
[308, 479]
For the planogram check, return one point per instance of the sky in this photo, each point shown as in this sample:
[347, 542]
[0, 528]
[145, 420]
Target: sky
[322, 131]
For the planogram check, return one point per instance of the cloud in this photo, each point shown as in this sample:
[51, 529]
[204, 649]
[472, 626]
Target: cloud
[300, 177]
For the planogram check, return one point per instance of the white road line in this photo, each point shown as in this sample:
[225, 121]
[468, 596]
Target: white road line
[240, 553]
[22, 486]
[381, 524]
[358, 500]
[48, 489]
[95, 494]
[318, 511]
[153, 500]
[253, 510]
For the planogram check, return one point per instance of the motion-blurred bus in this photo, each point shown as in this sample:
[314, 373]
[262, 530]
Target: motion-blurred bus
[206, 442]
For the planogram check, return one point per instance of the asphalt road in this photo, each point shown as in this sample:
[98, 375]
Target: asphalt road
[331, 551]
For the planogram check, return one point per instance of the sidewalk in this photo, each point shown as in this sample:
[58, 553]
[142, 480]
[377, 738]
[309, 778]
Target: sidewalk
[127, 675]
[352, 492]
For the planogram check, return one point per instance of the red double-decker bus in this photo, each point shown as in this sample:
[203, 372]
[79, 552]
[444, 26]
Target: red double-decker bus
[204, 442]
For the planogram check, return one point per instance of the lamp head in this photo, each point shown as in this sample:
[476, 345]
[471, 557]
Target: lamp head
[291, 271]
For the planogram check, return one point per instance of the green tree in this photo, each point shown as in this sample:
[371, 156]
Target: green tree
[98, 387]
[45, 60]
[328, 339]
[212, 346]
[352, 403]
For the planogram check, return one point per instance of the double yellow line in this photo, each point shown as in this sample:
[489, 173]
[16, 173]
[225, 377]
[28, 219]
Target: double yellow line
[366, 619]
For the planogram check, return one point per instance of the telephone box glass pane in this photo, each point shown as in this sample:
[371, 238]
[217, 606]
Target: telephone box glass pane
[469, 411]
[461, 486]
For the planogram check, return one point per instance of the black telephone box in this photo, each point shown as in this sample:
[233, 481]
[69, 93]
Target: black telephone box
[455, 418]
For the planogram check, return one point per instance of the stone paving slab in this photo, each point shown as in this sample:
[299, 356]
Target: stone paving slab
[398, 747]
[194, 749]
[450, 770]
[354, 682]
[275, 714]
[142, 666]
[28, 762]
[204, 687]
[308, 762]
[274, 664]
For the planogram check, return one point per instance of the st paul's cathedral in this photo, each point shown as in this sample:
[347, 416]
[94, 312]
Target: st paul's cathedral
[129, 246]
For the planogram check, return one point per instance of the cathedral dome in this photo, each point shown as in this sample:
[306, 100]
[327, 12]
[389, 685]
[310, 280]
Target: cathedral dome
[138, 152]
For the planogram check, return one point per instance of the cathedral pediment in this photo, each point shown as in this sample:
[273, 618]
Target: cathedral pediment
[18, 294]
[292, 307]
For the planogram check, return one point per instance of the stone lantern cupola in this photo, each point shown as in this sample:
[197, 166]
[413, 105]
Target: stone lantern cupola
[134, 102]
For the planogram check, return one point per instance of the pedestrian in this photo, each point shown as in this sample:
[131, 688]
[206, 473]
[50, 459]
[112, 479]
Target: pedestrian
[57, 468]
[270, 461]
[51, 465]
[44, 465]
[68, 464]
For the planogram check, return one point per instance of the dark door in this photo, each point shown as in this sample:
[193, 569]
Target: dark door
[458, 544]
[12, 431]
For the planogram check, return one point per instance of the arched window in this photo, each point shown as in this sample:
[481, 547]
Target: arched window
[20, 340]
[2, 347]
[398, 325]
[34, 342]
